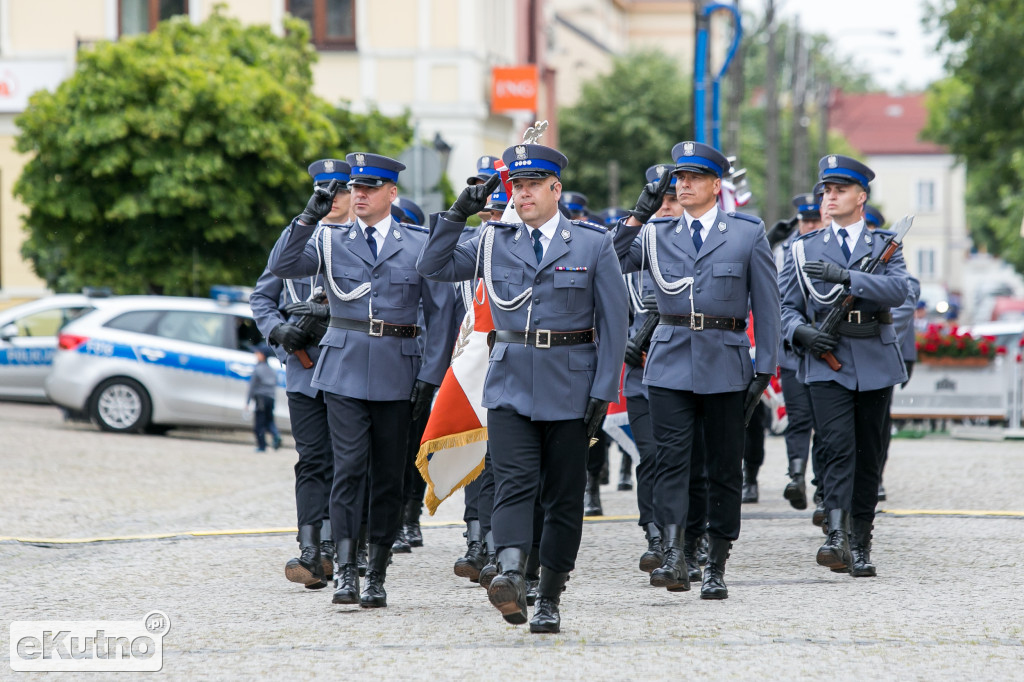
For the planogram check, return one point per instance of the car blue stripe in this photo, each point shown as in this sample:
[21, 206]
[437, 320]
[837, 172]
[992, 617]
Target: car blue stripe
[166, 358]
[24, 357]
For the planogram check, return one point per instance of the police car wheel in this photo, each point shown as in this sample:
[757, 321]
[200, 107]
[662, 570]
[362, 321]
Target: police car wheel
[120, 405]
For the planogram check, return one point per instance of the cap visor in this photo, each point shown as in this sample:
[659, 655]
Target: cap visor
[366, 181]
[694, 168]
[530, 173]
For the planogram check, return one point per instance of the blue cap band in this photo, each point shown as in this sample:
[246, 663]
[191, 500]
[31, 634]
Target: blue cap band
[409, 215]
[700, 161]
[575, 207]
[499, 196]
[373, 172]
[807, 208]
[330, 176]
[845, 173]
[486, 171]
[538, 164]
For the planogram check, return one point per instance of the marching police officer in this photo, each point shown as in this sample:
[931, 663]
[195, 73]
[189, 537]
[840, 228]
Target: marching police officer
[849, 402]
[370, 368]
[711, 269]
[575, 203]
[559, 308]
[296, 348]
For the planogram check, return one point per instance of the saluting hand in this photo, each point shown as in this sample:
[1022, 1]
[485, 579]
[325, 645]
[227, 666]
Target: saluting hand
[472, 200]
[827, 272]
[651, 197]
[319, 204]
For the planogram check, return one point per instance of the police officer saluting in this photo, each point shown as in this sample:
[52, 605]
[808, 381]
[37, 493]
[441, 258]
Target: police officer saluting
[711, 269]
[559, 308]
[370, 367]
[850, 403]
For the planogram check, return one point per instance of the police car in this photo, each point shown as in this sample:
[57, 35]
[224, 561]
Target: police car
[28, 339]
[148, 363]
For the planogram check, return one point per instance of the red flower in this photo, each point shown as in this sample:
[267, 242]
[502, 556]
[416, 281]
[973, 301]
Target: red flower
[983, 348]
[931, 348]
[1001, 350]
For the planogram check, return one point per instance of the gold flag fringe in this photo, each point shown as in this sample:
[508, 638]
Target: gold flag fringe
[437, 445]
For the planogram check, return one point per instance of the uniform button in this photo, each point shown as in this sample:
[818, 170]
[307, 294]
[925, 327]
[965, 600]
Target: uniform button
[506, 275]
[572, 281]
[537, 281]
[376, 275]
[536, 302]
[375, 293]
[698, 271]
[407, 278]
[697, 290]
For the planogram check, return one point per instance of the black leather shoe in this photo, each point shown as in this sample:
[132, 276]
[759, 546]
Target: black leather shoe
[469, 565]
[654, 557]
[860, 549]
[714, 586]
[672, 575]
[508, 589]
[532, 575]
[690, 557]
[413, 534]
[327, 551]
[750, 492]
[374, 596]
[361, 551]
[702, 549]
[819, 515]
[796, 489]
[592, 497]
[401, 544]
[307, 569]
[835, 553]
[490, 568]
[546, 618]
[626, 473]
[881, 492]
[348, 573]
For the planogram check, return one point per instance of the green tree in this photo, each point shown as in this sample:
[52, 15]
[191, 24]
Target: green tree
[170, 161]
[976, 111]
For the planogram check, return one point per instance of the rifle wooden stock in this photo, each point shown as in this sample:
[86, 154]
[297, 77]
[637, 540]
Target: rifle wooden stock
[303, 357]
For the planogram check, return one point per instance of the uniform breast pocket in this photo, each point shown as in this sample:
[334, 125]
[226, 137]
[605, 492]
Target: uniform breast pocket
[349, 277]
[508, 281]
[727, 280]
[403, 287]
[571, 290]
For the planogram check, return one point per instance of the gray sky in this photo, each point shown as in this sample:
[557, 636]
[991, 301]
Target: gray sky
[854, 26]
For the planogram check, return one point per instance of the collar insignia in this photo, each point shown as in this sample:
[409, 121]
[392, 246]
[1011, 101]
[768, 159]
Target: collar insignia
[721, 227]
[396, 234]
[352, 234]
[565, 234]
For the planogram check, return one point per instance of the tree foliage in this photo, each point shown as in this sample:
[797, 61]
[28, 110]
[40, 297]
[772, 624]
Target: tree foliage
[170, 161]
[978, 112]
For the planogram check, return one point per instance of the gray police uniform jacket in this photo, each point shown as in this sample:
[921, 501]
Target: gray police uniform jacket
[867, 363]
[788, 358]
[354, 364]
[267, 300]
[633, 380]
[734, 274]
[903, 320]
[578, 285]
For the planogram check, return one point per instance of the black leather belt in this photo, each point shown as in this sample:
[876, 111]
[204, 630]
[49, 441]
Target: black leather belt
[542, 338]
[376, 327]
[699, 322]
[861, 325]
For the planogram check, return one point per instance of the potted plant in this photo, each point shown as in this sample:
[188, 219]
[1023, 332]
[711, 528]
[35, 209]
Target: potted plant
[939, 346]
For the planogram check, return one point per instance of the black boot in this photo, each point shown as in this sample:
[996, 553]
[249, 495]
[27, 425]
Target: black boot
[469, 566]
[413, 535]
[545, 617]
[860, 548]
[690, 557]
[835, 553]
[307, 569]
[714, 586]
[881, 491]
[532, 575]
[374, 596]
[702, 549]
[654, 557]
[508, 589]
[361, 551]
[818, 517]
[592, 497]
[749, 492]
[348, 572]
[796, 489]
[490, 569]
[625, 474]
[672, 574]
[401, 544]
[327, 549]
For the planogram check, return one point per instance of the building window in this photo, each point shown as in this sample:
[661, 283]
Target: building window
[925, 196]
[332, 22]
[141, 16]
[926, 263]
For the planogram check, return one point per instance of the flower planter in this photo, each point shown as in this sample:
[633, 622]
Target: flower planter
[955, 362]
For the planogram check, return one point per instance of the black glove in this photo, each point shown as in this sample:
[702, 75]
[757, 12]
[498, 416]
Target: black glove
[421, 397]
[650, 198]
[289, 337]
[910, 371]
[827, 272]
[596, 410]
[472, 200]
[650, 303]
[754, 391]
[780, 231]
[814, 340]
[634, 354]
[310, 308]
[319, 204]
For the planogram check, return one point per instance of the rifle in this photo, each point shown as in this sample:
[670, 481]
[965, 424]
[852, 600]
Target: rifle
[314, 325]
[642, 338]
[842, 307]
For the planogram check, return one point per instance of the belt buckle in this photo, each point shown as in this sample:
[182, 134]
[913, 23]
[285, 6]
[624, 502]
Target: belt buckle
[546, 343]
[850, 316]
[693, 322]
[376, 328]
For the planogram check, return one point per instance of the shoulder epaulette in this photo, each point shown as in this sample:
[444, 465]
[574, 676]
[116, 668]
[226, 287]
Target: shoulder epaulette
[498, 223]
[415, 228]
[593, 226]
[883, 233]
[745, 216]
[663, 219]
[805, 236]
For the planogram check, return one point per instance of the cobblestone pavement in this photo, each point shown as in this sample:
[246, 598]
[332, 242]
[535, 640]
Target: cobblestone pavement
[946, 604]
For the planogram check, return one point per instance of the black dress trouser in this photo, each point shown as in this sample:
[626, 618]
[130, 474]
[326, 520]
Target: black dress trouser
[315, 466]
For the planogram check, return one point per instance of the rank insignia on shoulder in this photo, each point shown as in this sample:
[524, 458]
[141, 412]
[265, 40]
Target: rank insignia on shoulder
[411, 226]
[564, 268]
[745, 216]
[588, 224]
[498, 223]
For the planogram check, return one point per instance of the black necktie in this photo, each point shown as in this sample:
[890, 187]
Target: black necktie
[698, 241]
[843, 234]
[538, 248]
[371, 241]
